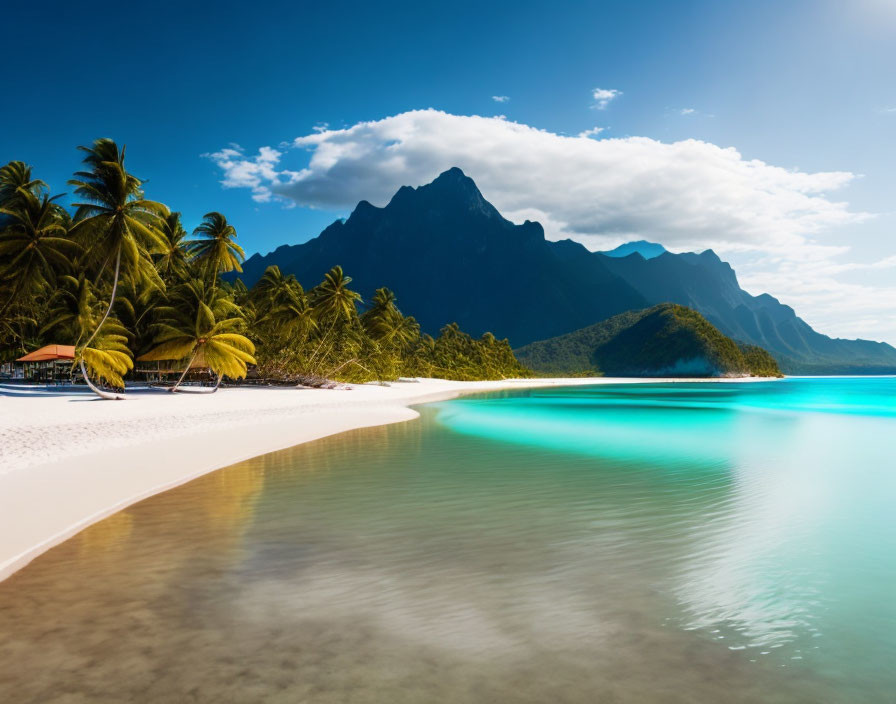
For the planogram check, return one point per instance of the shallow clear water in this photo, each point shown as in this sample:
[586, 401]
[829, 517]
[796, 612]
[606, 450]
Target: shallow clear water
[632, 543]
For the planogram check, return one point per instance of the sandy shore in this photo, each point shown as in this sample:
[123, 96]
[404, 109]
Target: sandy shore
[68, 459]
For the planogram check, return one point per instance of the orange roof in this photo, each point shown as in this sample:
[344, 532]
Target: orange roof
[48, 353]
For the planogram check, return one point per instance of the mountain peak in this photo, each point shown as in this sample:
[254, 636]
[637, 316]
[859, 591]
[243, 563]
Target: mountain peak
[452, 191]
[455, 172]
[455, 180]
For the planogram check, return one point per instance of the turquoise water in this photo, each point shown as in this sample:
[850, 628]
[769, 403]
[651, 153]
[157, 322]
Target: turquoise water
[625, 543]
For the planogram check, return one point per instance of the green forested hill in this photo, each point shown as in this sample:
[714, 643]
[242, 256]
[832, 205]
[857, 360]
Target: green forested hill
[665, 340]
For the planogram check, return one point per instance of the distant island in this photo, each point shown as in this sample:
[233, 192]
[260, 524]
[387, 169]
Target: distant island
[667, 340]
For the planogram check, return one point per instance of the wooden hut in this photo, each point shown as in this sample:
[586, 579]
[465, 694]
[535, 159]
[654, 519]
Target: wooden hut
[51, 364]
[152, 368]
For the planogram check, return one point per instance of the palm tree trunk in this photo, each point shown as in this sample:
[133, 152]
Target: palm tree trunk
[111, 299]
[203, 391]
[174, 388]
[98, 391]
[346, 363]
[321, 344]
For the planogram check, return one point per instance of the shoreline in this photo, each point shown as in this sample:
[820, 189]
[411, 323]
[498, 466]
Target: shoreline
[65, 465]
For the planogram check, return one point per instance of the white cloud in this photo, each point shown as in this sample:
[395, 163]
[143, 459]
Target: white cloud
[827, 301]
[500, 98]
[257, 173]
[688, 195]
[593, 132]
[687, 111]
[603, 96]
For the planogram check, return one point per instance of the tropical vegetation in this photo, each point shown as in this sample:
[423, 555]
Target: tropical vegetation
[118, 276]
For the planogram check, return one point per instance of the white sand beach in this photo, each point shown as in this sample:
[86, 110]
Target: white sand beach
[68, 459]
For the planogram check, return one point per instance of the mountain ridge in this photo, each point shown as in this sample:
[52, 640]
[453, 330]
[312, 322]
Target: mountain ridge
[443, 246]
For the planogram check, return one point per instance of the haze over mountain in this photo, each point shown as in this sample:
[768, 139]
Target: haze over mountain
[449, 255]
[646, 249]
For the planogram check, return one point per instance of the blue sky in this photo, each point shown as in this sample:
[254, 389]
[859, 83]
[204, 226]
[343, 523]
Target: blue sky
[804, 87]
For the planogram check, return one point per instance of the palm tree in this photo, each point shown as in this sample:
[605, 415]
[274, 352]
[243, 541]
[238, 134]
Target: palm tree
[115, 223]
[333, 302]
[34, 244]
[202, 325]
[332, 299]
[281, 305]
[15, 177]
[423, 355]
[375, 320]
[403, 332]
[171, 260]
[214, 248]
[240, 293]
[108, 358]
[73, 311]
[384, 322]
[135, 305]
[273, 287]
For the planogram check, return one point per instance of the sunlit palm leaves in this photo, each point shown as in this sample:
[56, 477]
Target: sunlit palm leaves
[214, 246]
[171, 258]
[75, 312]
[34, 245]
[332, 299]
[108, 358]
[202, 323]
[117, 227]
[114, 222]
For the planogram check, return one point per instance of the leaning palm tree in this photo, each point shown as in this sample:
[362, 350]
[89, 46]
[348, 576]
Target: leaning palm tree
[106, 359]
[202, 326]
[73, 312]
[214, 247]
[115, 224]
[34, 244]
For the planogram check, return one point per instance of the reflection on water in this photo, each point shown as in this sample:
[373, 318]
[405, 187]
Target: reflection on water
[680, 543]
